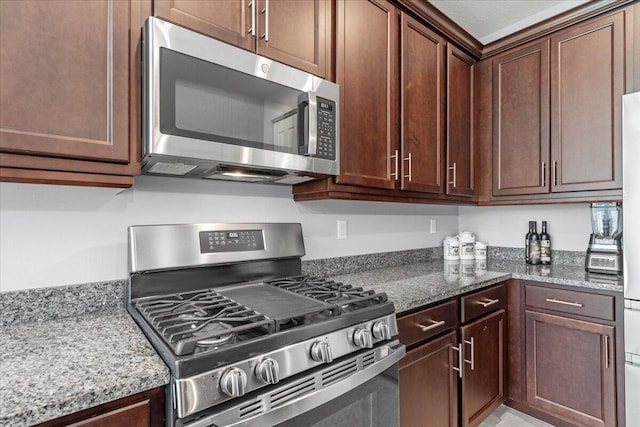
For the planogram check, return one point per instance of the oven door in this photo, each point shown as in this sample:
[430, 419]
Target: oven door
[357, 391]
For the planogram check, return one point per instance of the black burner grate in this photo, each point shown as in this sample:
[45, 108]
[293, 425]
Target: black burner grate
[347, 297]
[201, 319]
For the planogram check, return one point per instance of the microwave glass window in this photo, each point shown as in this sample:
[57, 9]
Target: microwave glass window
[210, 102]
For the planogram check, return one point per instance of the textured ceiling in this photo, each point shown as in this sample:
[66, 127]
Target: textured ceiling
[490, 20]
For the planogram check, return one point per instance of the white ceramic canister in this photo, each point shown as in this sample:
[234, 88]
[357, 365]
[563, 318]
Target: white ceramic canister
[467, 245]
[481, 250]
[451, 248]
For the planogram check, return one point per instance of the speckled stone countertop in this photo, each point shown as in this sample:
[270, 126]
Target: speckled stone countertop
[56, 361]
[57, 367]
[416, 285]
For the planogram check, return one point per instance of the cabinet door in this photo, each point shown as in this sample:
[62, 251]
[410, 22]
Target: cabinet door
[570, 369]
[460, 149]
[226, 20]
[483, 370]
[422, 91]
[65, 81]
[144, 409]
[367, 70]
[587, 83]
[521, 121]
[296, 32]
[429, 385]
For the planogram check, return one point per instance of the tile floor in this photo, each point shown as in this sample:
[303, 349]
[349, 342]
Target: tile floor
[507, 417]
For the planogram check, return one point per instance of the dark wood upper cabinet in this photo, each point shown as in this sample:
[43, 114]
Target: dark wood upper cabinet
[483, 344]
[460, 111]
[70, 93]
[557, 111]
[587, 83]
[367, 70]
[521, 121]
[226, 20]
[570, 369]
[297, 33]
[422, 91]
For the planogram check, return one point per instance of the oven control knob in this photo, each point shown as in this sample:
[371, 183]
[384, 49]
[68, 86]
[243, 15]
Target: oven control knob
[233, 382]
[268, 371]
[381, 331]
[362, 338]
[321, 352]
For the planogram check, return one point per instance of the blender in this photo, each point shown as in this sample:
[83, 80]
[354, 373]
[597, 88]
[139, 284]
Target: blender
[604, 254]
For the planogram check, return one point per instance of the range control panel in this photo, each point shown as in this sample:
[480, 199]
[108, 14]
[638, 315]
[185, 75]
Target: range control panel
[326, 129]
[231, 241]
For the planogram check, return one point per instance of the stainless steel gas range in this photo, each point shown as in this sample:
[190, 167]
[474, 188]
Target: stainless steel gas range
[249, 340]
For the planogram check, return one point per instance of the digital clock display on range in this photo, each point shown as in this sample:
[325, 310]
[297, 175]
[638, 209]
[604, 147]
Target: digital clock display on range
[231, 241]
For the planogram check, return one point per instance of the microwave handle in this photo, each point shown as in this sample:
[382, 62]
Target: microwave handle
[308, 143]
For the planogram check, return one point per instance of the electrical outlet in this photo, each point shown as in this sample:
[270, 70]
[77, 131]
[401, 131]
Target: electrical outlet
[342, 229]
[432, 226]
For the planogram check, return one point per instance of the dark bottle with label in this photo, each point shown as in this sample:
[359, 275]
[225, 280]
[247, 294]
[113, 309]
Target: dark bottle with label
[534, 245]
[545, 245]
[526, 243]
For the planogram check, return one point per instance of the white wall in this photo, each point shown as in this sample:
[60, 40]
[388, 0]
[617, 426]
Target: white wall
[59, 235]
[568, 225]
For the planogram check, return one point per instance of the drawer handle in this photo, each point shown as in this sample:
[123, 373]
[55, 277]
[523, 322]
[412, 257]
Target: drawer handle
[435, 324]
[488, 303]
[557, 301]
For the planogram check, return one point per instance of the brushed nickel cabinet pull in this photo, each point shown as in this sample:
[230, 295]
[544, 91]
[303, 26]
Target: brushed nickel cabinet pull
[488, 303]
[395, 157]
[459, 368]
[557, 301]
[265, 12]
[473, 357]
[434, 324]
[606, 351]
[409, 159]
[555, 172]
[453, 169]
[544, 170]
[252, 6]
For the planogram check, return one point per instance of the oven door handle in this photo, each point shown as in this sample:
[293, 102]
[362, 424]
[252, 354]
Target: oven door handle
[303, 402]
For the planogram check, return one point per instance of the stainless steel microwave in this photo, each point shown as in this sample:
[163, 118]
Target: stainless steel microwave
[212, 110]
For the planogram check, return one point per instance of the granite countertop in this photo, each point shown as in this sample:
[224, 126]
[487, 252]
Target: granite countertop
[416, 285]
[51, 367]
[57, 367]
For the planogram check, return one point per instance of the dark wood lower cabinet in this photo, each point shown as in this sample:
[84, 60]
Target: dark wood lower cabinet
[570, 369]
[483, 368]
[429, 384]
[144, 409]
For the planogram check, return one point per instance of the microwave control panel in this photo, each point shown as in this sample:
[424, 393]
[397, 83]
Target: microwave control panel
[326, 129]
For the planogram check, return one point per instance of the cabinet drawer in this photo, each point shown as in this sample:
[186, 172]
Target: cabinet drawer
[427, 323]
[483, 302]
[581, 303]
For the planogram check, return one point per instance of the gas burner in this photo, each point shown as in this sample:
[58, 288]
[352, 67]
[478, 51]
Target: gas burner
[201, 319]
[215, 334]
